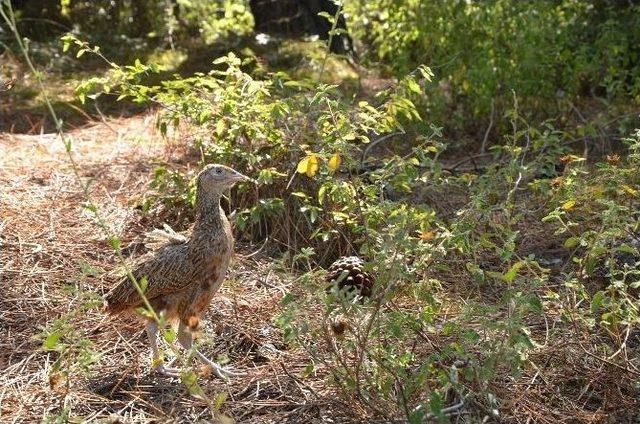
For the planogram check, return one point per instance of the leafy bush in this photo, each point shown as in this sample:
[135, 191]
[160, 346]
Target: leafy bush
[251, 123]
[482, 51]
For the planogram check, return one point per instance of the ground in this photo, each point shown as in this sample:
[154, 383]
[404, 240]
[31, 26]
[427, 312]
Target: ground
[54, 257]
[54, 261]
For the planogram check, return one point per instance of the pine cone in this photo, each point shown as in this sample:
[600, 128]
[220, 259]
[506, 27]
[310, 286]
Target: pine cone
[347, 275]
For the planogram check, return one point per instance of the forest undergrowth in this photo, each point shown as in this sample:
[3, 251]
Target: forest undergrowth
[502, 229]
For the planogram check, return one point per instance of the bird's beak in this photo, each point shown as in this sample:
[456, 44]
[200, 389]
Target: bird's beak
[241, 177]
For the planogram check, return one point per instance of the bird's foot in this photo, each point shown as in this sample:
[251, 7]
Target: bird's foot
[219, 371]
[167, 371]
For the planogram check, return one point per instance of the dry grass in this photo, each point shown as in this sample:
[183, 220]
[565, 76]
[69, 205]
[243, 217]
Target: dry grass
[47, 239]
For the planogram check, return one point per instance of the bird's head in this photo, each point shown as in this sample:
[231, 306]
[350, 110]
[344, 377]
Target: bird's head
[215, 178]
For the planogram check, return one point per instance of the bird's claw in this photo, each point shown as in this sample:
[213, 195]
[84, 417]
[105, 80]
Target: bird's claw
[225, 373]
[167, 371]
[220, 372]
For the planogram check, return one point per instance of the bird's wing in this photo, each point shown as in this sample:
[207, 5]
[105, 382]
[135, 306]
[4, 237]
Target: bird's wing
[157, 238]
[166, 271]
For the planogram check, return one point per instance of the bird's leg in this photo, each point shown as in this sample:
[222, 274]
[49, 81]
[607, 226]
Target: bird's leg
[157, 361]
[186, 340]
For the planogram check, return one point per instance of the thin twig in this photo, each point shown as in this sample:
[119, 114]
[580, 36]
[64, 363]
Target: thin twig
[331, 33]
[486, 133]
[374, 143]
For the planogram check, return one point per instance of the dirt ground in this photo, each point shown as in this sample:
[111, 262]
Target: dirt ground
[54, 257]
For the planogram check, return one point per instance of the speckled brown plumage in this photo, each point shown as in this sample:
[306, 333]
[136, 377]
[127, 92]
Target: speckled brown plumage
[183, 276]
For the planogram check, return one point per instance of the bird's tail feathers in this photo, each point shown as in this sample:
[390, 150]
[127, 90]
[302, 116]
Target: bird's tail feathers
[157, 237]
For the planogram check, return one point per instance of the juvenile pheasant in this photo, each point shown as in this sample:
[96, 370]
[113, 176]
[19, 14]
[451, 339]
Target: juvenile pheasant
[183, 275]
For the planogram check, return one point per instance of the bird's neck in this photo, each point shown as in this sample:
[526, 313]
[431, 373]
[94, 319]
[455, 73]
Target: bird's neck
[209, 215]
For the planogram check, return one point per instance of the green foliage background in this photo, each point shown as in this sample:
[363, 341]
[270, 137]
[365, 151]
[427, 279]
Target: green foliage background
[544, 50]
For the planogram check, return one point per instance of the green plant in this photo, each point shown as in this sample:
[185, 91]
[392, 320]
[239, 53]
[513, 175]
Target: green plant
[546, 51]
[606, 249]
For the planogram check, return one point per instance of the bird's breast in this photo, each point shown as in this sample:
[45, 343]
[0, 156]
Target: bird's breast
[215, 267]
[211, 251]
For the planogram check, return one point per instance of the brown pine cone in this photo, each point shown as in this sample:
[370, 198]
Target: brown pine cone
[347, 274]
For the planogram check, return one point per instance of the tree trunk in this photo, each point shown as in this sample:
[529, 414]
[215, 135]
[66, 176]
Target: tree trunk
[295, 18]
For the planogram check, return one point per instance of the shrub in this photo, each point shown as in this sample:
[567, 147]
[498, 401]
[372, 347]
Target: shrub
[481, 51]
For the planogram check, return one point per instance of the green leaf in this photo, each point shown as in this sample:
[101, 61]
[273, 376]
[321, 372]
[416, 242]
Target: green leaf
[596, 301]
[144, 284]
[321, 193]
[51, 341]
[435, 403]
[219, 400]
[625, 248]
[170, 335]
[298, 84]
[417, 416]
[571, 242]
[513, 272]
[287, 299]
[412, 85]
[114, 242]
[477, 273]
[190, 380]
[535, 304]
[300, 194]
[92, 207]
[425, 72]
[326, 15]
[308, 370]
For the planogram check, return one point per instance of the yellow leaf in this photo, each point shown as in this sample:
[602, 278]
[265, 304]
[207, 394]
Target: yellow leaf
[427, 235]
[302, 165]
[308, 166]
[351, 136]
[629, 190]
[334, 162]
[571, 158]
[568, 205]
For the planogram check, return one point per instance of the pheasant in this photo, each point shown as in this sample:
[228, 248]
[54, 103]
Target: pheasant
[184, 274]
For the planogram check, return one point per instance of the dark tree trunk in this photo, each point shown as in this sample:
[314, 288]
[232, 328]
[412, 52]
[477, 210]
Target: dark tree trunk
[294, 18]
[142, 24]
